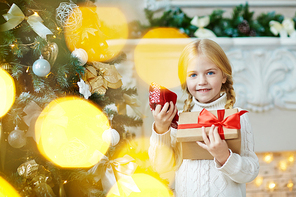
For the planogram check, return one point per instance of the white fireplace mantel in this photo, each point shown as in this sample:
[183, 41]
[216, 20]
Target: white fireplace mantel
[264, 72]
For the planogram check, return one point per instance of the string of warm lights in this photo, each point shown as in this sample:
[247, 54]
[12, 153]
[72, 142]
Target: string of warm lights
[277, 173]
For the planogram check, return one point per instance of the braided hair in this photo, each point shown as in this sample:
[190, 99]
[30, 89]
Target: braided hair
[216, 54]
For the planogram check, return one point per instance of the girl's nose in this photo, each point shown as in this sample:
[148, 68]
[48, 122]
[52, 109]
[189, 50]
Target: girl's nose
[202, 80]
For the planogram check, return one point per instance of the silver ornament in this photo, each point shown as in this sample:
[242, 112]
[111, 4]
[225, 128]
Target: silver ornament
[17, 138]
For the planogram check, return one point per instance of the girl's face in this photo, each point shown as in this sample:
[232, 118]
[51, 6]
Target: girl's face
[204, 79]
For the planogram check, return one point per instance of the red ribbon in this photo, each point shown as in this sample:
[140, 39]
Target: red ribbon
[207, 119]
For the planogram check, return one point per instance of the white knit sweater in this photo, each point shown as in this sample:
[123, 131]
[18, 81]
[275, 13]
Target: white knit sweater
[207, 178]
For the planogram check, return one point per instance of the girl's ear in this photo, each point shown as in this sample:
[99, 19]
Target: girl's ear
[224, 79]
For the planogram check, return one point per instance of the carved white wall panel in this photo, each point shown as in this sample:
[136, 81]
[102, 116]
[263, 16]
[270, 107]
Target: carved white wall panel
[264, 78]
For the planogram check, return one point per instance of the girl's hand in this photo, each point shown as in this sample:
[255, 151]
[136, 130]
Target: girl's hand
[213, 143]
[163, 117]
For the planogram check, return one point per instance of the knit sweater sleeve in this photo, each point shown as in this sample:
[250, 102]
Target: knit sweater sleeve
[161, 151]
[242, 168]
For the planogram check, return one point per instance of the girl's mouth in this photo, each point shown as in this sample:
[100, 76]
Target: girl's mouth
[203, 90]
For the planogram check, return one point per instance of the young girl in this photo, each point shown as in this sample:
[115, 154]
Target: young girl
[206, 76]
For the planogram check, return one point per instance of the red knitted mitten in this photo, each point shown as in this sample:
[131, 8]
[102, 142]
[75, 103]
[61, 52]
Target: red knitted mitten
[159, 95]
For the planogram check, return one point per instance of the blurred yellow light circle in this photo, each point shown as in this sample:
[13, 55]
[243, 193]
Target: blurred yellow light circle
[137, 149]
[165, 32]
[7, 92]
[69, 132]
[6, 190]
[156, 60]
[102, 35]
[146, 186]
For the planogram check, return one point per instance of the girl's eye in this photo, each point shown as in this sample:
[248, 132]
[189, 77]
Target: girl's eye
[211, 73]
[192, 75]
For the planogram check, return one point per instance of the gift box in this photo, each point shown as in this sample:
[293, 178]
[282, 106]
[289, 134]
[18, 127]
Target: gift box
[190, 130]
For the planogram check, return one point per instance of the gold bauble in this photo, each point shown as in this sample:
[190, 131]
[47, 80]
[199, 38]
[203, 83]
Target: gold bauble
[50, 52]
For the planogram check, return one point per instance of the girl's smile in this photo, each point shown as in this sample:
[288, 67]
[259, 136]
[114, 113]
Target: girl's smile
[204, 79]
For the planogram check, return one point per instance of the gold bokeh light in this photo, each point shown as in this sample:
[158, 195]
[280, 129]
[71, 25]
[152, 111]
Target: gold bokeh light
[6, 190]
[102, 34]
[291, 158]
[258, 181]
[7, 92]
[137, 148]
[146, 186]
[271, 185]
[268, 157]
[283, 165]
[69, 132]
[157, 60]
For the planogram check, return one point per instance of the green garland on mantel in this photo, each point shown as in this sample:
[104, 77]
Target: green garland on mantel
[241, 24]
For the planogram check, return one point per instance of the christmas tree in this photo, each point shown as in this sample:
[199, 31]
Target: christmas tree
[56, 51]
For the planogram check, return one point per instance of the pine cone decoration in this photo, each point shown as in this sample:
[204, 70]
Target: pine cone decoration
[244, 27]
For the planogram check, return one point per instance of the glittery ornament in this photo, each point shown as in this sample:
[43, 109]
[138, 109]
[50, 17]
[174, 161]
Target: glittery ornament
[28, 169]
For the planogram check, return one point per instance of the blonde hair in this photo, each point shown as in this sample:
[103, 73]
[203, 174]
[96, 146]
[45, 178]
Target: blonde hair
[216, 54]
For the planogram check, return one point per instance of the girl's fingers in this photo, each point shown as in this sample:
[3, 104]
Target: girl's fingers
[172, 111]
[157, 109]
[165, 108]
[204, 136]
[216, 134]
[171, 107]
[202, 145]
[211, 134]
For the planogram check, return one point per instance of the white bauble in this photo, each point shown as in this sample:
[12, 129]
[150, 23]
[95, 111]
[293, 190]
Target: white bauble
[111, 136]
[17, 138]
[81, 54]
[41, 67]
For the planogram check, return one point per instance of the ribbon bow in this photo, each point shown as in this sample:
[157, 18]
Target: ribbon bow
[33, 111]
[15, 16]
[202, 22]
[114, 170]
[284, 29]
[133, 103]
[207, 119]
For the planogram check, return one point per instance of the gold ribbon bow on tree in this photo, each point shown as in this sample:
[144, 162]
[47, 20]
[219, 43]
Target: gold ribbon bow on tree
[286, 28]
[100, 76]
[202, 22]
[108, 171]
[15, 16]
